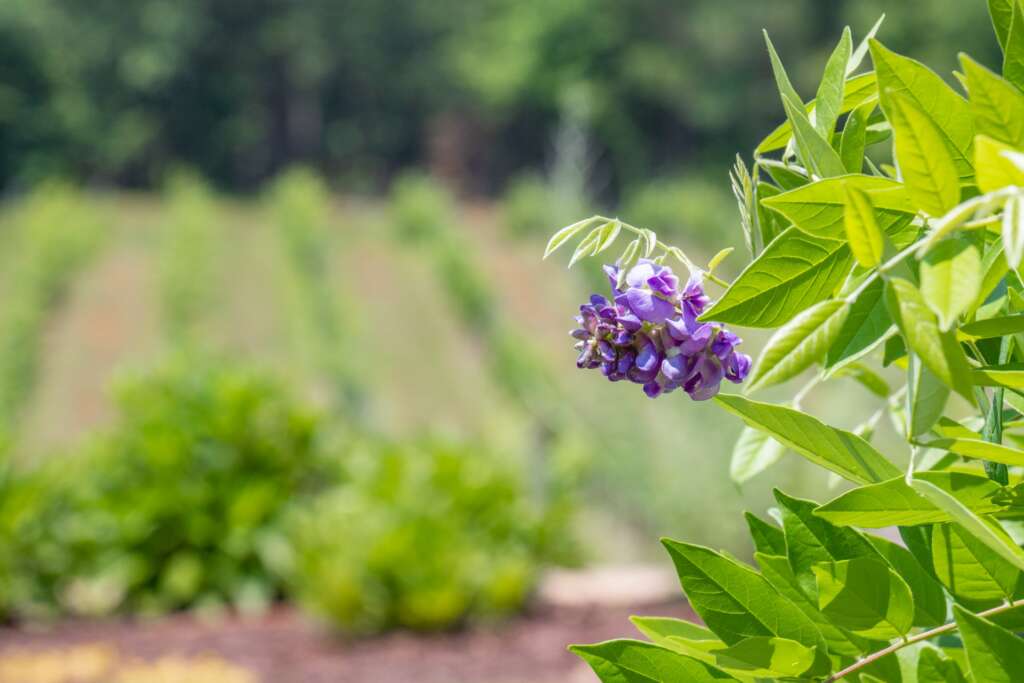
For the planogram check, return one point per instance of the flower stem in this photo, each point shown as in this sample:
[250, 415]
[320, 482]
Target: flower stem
[916, 638]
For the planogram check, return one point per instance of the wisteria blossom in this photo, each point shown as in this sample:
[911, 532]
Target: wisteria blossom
[648, 333]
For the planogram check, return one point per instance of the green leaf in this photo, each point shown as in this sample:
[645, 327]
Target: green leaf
[929, 599]
[865, 326]
[830, 91]
[994, 327]
[566, 234]
[977, 448]
[938, 350]
[867, 378]
[951, 279]
[933, 668]
[768, 538]
[926, 396]
[862, 232]
[1001, 12]
[753, 453]
[857, 90]
[854, 138]
[819, 208]
[971, 570]
[994, 170]
[930, 94]
[895, 503]
[660, 629]
[815, 151]
[606, 238]
[634, 661]
[1010, 376]
[811, 540]
[776, 569]
[994, 655]
[930, 175]
[1013, 231]
[763, 656]
[865, 596]
[794, 272]
[983, 529]
[835, 449]
[995, 267]
[771, 223]
[1013, 49]
[996, 104]
[799, 344]
[735, 601]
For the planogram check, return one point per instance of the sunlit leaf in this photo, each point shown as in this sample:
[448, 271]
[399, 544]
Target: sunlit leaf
[798, 344]
[930, 175]
[865, 596]
[994, 655]
[951, 279]
[753, 453]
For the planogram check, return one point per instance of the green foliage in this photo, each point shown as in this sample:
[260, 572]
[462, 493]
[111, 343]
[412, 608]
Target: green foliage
[422, 536]
[188, 258]
[54, 232]
[682, 208]
[421, 208]
[922, 255]
[177, 505]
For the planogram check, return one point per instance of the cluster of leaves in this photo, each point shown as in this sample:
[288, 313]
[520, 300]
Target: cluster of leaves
[913, 264]
[54, 231]
[423, 536]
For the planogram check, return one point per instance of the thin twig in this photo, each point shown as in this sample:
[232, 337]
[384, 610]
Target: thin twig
[924, 635]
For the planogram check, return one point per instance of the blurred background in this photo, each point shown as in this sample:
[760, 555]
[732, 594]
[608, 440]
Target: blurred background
[284, 384]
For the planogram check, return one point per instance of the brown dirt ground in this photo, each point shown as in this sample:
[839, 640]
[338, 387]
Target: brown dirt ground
[282, 647]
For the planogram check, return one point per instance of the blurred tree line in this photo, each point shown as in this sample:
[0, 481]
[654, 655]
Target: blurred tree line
[117, 92]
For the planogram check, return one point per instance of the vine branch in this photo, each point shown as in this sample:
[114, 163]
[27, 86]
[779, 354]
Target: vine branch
[916, 638]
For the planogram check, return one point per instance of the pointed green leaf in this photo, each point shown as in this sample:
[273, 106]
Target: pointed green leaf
[606, 238]
[996, 104]
[926, 396]
[835, 449]
[865, 596]
[995, 171]
[829, 99]
[994, 655]
[932, 667]
[764, 656]
[566, 234]
[929, 599]
[819, 208]
[735, 601]
[938, 350]
[798, 344]
[930, 175]
[895, 503]
[978, 448]
[1013, 231]
[994, 327]
[930, 94]
[659, 629]
[857, 91]
[971, 570]
[634, 661]
[1010, 376]
[1001, 12]
[794, 272]
[753, 453]
[854, 138]
[815, 151]
[983, 529]
[771, 223]
[951, 279]
[865, 326]
[1013, 49]
[862, 231]
[776, 569]
[767, 538]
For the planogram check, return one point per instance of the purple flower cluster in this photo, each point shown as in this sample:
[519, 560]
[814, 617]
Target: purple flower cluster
[648, 333]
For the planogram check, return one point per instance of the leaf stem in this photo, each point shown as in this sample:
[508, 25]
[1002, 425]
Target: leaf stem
[883, 268]
[675, 251]
[916, 638]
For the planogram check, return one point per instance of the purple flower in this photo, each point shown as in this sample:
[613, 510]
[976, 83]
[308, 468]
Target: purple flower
[649, 334]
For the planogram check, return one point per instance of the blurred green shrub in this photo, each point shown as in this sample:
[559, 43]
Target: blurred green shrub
[526, 207]
[177, 505]
[188, 256]
[422, 209]
[693, 210]
[422, 536]
[55, 230]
